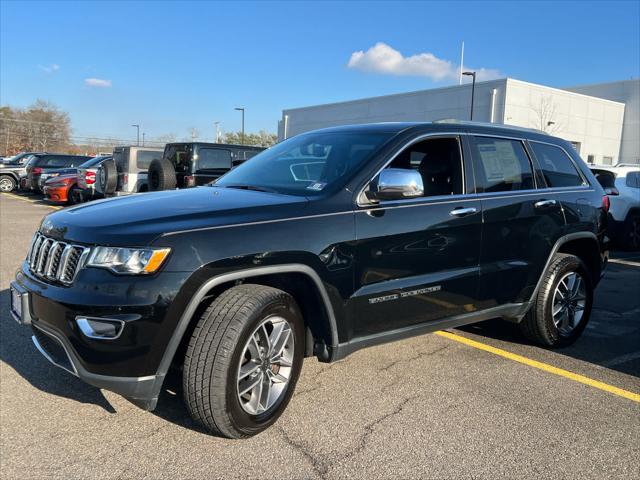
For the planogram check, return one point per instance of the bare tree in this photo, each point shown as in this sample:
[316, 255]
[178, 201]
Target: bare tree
[545, 115]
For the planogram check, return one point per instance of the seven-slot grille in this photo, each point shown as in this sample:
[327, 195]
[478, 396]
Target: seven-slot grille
[53, 260]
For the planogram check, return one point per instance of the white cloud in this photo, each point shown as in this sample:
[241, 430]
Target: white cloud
[49, 68]
[97, 82]
[381, 58]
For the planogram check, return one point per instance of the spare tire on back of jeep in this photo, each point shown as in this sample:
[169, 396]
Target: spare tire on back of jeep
[162, 175]
[107, 177]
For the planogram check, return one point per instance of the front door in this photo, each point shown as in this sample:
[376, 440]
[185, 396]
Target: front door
[418, 259]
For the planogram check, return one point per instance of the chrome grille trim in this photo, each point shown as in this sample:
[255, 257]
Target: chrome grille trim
[55, 261]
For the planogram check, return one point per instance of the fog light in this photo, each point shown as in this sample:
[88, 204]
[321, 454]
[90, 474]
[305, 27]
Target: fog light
[100, 328]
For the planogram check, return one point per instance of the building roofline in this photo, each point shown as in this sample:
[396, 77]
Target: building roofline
[628, 80]
[357, 100]
[561, 90]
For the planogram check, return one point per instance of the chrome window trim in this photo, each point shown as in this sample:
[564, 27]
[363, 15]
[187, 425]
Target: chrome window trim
[417, 139]
[585, 181]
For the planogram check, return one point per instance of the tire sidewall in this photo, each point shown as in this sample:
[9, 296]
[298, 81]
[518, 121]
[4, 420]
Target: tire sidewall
[11, 180]
[242, 421]
[571, 265]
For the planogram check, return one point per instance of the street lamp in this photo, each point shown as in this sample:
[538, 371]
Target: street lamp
[217, 125]
[473, 89]
[138, 128]
[241, 109]
[143, 134]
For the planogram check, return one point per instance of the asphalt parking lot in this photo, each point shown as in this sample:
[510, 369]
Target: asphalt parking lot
[477, 402]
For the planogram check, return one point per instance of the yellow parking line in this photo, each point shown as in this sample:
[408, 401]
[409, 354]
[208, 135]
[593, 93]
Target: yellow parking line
[542, 366]
[18, 197]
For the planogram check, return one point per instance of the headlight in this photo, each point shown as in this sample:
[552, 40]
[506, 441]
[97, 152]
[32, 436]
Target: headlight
[128, 260]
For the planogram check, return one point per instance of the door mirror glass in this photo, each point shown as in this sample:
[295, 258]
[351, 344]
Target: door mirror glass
[396, 184]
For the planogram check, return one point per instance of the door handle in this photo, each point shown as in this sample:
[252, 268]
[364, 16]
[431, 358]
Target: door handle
[461, 212]
[544, 203]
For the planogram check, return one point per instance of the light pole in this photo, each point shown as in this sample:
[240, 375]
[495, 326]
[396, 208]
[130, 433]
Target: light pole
[473, 89]
[138, 129]
[143, 134]
[241, 109]
[217, 125]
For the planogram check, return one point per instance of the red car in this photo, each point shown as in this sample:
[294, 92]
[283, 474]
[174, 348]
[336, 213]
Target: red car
[60, 189]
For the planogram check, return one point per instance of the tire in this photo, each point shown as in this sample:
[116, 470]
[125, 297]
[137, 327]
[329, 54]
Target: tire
[221, 341]
[539, 324]
[7, 183]
[162, 175]
[631, 232]
[107, 177]
[71, 195]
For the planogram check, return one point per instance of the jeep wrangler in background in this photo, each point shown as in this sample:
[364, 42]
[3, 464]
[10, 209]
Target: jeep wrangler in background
[127, 173]
[329, 242]
[192, 164]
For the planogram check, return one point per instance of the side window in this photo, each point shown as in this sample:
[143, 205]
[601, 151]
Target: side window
[209, 158]
[633, 179]
[557, 168]
[501, 165]
[145, 157]
[438, 162]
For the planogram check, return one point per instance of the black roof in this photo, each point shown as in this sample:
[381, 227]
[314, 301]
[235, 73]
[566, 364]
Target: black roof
[219, 145]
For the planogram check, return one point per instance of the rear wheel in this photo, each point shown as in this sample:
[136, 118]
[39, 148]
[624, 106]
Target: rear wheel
[243, 360]
[631, 232]
[7, 183]
[562, 306]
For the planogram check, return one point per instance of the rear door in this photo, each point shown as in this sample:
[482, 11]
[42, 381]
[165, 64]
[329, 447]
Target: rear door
[211, 164]
[418, 259]
[521, 223]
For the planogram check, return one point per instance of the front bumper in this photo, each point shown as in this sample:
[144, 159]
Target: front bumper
[127, 364]
[56, 194]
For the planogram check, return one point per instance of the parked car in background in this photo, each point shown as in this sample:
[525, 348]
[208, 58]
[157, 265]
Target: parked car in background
[191, 164]
[128, 171]
[13, 169]
[86, 179]
[43, 163]
[622, 186]
[61, 186]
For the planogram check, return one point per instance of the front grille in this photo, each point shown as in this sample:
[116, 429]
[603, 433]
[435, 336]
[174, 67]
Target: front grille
[55, 261]
[53, 350]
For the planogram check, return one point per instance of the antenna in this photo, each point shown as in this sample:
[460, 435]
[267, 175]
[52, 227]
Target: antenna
[461, 64]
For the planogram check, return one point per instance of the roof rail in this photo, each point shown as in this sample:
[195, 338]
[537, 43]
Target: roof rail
[627, 165]
[487, 124]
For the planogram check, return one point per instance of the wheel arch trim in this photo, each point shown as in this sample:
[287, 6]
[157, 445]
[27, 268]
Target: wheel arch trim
[556, 247]
[207, 286]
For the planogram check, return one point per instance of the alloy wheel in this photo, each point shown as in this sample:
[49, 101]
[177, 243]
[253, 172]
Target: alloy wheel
[6, 185]
[569, 300]
[265, 365]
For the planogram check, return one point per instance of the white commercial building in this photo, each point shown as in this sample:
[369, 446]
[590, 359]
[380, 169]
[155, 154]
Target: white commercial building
[595, 123]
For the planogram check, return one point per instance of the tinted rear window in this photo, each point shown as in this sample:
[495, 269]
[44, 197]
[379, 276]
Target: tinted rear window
[144, 158]
[502, 165]
[213, 158]
[633, 179]
[557, 167]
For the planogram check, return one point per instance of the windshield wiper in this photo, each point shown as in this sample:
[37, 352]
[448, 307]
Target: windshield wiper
[255, 188]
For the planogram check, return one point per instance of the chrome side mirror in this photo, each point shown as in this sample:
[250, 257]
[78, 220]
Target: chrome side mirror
[396, 184]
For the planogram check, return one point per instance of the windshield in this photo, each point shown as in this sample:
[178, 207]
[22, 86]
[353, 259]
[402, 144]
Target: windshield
[307, 164]
[93, 162]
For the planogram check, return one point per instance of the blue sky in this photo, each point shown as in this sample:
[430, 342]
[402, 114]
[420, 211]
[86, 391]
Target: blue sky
[171, 66]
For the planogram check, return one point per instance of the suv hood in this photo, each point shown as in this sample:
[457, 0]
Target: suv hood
[135, 220]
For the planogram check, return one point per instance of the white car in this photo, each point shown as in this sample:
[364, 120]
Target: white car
[622, 185]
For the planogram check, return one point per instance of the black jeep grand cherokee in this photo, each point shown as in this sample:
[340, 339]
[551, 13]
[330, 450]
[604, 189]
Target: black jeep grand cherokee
[329, 242]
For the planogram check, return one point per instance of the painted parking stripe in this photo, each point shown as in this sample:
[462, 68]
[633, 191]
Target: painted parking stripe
[33, 202]
[635, 397]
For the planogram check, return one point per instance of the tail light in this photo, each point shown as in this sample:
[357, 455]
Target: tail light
[90, 178]
[37, 171]
[606, 203]
[189, 181]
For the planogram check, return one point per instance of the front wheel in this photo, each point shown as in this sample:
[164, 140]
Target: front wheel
[562, 307]
[243, 360]
[7, 183]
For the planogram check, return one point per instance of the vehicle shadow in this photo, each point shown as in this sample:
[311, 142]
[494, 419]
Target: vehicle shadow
[612, 337]
[18, 352]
